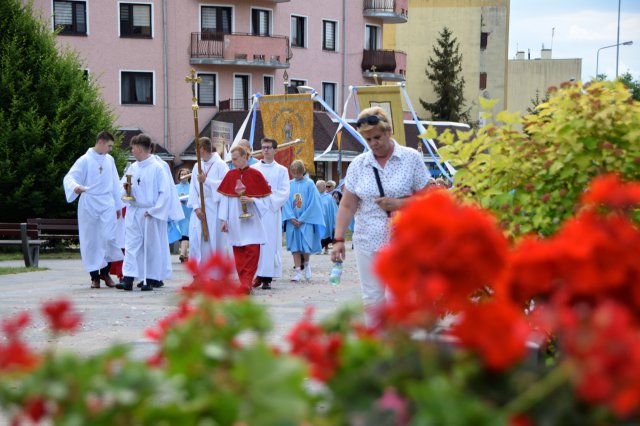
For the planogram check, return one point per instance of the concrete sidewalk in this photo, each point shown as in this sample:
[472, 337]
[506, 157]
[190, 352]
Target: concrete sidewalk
[110, 315]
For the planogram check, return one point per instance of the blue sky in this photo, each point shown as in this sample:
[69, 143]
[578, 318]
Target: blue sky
[581, 28]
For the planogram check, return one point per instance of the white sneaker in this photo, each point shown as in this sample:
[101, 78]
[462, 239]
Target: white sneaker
[296, 275]
[307, 272]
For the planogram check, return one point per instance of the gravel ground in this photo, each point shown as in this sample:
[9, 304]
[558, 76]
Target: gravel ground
[111, 315]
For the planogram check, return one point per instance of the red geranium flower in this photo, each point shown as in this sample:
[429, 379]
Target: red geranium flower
[212, 278]
[60, 316]
[35, 409]
[497, 330]
[13, 326]
[439, 255]
[610, 191]
[603, 343]
[16, 355]
[184, 311]
[312, 343]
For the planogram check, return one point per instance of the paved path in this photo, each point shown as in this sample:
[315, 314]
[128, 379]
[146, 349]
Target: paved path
[111, 315]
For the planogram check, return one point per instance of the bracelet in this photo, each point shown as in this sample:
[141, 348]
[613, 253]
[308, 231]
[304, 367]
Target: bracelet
[338, 240]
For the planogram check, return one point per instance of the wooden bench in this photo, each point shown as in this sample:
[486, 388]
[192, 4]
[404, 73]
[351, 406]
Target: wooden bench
[24, 235]
[56, 229]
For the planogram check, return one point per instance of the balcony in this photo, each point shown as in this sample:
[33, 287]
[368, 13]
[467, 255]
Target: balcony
[235, 105]
[390, 11]
[387, 65]
[240, 49]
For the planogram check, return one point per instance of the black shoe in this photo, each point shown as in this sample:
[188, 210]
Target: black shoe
[146, 287]
[126, 284]
[266, 286]
[156, 284]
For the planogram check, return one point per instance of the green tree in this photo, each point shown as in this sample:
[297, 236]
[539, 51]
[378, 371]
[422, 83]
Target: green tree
[537, 101]
[632, 85]
[49, 116]
[444, 70]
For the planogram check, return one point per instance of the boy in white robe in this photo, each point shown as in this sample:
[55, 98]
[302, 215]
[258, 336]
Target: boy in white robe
[146, 219]
[94, 178]
[175, 214]
[213, 171]
[270, 263]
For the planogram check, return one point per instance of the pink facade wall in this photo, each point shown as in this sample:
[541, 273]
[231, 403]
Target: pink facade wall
[105, 54]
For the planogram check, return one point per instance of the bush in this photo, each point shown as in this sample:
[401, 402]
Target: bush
[532, 179]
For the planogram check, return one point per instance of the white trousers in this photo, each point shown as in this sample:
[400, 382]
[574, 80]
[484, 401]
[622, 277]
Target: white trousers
[373, 292]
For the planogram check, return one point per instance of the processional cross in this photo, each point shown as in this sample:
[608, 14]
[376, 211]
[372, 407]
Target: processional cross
[192, 79]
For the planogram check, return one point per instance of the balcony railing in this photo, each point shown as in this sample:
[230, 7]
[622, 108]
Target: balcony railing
[390, 11]
[235, 105]
[389, 65]
[240, 49]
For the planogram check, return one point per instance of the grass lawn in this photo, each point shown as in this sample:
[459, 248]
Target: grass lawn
[17, 255]
[43, 255]
[18, 270]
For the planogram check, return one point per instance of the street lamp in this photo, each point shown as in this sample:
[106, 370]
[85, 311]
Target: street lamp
[626, 43]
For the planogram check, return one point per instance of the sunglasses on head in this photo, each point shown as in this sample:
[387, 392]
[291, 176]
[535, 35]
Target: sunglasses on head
[369, 119]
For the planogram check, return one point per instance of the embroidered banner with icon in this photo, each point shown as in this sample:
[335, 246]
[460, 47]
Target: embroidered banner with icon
[289, 117]
[388, 98]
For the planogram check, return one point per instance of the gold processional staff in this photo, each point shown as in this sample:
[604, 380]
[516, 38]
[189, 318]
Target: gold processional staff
[192, 79]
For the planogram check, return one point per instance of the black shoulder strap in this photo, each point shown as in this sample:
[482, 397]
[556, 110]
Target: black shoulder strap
[379, 182]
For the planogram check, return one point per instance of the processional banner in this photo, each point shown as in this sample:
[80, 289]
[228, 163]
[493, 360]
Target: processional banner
[388, 98]
[289, 117]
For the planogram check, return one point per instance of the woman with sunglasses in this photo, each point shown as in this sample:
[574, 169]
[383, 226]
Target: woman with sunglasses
[377, 184]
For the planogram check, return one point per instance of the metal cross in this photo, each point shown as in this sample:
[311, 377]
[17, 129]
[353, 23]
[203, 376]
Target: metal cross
[191, 78]
[138, 181]
[100, 168]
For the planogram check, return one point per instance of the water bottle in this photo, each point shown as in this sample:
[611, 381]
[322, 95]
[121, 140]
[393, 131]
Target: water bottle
[336, 273]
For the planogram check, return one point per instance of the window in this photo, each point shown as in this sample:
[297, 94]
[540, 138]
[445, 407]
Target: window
[483, 80]
[298, 24]
[70, 17]
[241, 92]
[329, 94]
[371, 37]
[215, 19]
[207, 95]
[329, 35]
[484, 39]
[260, 22]
[135, 20]
[321, 170]
[293, 85]
[268, 85]
[136, 88]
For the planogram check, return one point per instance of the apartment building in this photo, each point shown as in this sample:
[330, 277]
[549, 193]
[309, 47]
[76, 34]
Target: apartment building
[482, 31]
[530, 78]
[139, 52]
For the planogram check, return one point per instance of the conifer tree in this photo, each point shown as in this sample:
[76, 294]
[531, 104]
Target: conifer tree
[444, 69]
[49, 116]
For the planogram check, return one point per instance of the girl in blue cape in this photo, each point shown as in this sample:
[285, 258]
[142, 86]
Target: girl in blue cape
[304, 222]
